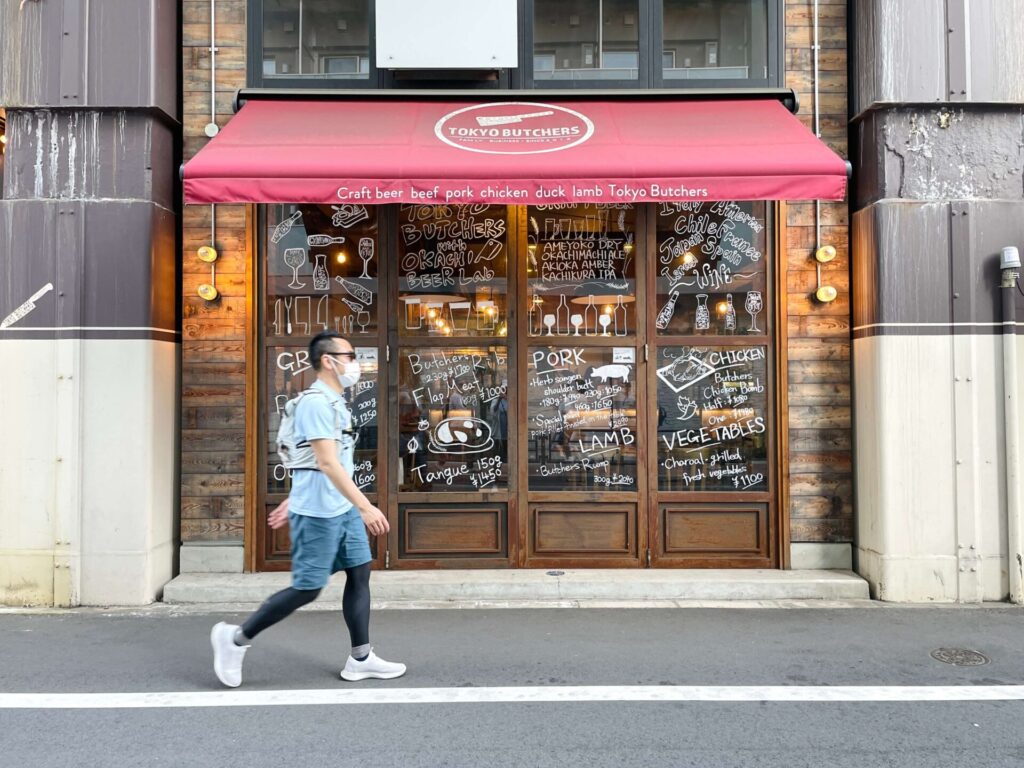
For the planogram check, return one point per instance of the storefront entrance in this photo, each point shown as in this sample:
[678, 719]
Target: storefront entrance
[543, 386]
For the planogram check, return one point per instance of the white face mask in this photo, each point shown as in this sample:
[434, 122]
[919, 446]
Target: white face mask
[349, 376]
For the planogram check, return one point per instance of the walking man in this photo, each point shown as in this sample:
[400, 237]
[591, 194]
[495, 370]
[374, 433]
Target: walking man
[328, 517]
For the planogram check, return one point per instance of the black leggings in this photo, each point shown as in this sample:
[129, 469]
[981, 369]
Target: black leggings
[355, 606]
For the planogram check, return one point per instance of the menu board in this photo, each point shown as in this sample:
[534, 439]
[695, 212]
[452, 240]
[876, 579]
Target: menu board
[453, 418]
[712, 418]
[289, 372]
[581, 420]
[711, 270]
[453, 266]
[581, 270]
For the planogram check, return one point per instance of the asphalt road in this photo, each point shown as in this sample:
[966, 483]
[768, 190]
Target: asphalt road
[163, 650]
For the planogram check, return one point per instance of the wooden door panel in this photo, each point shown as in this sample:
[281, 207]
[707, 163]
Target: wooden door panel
[439, 531]
[583, 530]
[689, 534]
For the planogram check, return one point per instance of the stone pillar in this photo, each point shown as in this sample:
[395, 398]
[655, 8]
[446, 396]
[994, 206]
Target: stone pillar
[938, 140]
[89, 357]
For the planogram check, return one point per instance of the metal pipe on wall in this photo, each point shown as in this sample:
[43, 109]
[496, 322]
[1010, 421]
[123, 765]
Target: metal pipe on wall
[213, 129]
[1011, 432]
[815, 47]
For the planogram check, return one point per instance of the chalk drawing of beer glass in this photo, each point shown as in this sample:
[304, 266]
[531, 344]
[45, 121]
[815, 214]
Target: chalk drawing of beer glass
[753, 306]
[459, 313]
[366, 254]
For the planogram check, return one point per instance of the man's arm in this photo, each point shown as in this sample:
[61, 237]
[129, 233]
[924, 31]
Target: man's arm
[327, 459]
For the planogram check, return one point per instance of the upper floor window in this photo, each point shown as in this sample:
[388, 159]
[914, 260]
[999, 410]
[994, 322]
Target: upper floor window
[714, 40]
[586, 40]
[316, 38]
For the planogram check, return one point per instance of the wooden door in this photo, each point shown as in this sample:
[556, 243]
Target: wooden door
[320, 268]
[712, 417]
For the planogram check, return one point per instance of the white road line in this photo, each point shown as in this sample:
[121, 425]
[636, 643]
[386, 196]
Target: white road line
[512, 695]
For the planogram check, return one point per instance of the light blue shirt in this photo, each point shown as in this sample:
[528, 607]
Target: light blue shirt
[321, 415]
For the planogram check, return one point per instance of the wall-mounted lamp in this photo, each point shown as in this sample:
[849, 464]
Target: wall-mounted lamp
[208, 254]
[824, 293]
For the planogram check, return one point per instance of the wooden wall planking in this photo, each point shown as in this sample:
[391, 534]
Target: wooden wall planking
[214, 361]
[820, 436]
[214, 354]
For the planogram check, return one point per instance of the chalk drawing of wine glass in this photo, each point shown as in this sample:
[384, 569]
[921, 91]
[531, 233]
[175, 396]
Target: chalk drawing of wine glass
[605, 320]
[295, 258]
[577, 321]
[753, 305]
[366, 254]
[549, 321]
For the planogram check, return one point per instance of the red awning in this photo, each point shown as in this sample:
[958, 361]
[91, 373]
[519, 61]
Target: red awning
[633, 150]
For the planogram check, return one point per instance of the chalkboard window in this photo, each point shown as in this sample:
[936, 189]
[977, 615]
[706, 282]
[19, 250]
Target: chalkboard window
[711, 269]
[453, 267]
[581, 270]
[321, 268]
[581, 420]
[288, 374]
[453, 419]
[712, 418]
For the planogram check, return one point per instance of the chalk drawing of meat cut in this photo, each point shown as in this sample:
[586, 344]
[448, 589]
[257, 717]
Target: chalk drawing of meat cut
[613, 371]
[461, 435]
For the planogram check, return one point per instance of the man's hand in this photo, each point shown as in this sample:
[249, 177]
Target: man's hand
[278, 518]
[374, 520]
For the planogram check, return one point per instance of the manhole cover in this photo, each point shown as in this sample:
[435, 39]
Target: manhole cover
[959, 657]
[556, 573]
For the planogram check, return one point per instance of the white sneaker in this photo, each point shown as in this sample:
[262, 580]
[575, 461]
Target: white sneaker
[227, 657]
[371, 666]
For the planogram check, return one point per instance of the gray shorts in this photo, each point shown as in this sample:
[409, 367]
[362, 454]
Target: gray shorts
[322, 546]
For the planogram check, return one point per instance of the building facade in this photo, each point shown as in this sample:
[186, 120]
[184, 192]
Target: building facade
[532, 390]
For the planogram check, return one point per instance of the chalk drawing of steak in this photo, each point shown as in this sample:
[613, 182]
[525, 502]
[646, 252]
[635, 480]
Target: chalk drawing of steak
[461, 435]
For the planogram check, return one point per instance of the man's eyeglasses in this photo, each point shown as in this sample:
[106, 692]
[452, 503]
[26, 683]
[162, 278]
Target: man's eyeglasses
[349, 355]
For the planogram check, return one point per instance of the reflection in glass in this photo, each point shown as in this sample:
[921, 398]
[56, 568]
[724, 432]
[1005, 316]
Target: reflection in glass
[712, 419]
[581, 420]
[715, 40]
[453, 419]
[709, 255]
[586, 40]
[316, 37]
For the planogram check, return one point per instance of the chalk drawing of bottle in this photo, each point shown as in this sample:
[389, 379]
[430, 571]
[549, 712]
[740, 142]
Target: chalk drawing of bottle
[730, 313]
[702, 322]
[321, 280]
[562, 317]
[661, 322]
[590, 317]
[619, 318]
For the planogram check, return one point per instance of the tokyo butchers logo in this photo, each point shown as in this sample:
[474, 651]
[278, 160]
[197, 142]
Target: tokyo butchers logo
[514, 128]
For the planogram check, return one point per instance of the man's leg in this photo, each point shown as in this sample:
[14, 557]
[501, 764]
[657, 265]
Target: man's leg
[314, 543]
[356, 609]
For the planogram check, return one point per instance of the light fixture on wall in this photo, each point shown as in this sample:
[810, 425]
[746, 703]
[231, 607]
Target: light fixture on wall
[574, 20]
[342, 25]
[208, 254]
[823, 255]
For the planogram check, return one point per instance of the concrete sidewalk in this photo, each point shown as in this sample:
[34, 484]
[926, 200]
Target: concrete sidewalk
[537, 588]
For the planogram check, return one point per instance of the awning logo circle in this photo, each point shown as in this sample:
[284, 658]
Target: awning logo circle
[514, 128]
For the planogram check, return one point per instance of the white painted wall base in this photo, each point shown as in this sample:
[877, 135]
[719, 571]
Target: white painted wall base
[211, 558]
[808, 556]
[929, 465]
[87, 471]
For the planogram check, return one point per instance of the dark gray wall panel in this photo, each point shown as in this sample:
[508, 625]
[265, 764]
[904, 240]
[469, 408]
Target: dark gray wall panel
[111, 264]
[899, 52]
[70, 53]
[996, 30]
[78, 154]
[901, 264]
